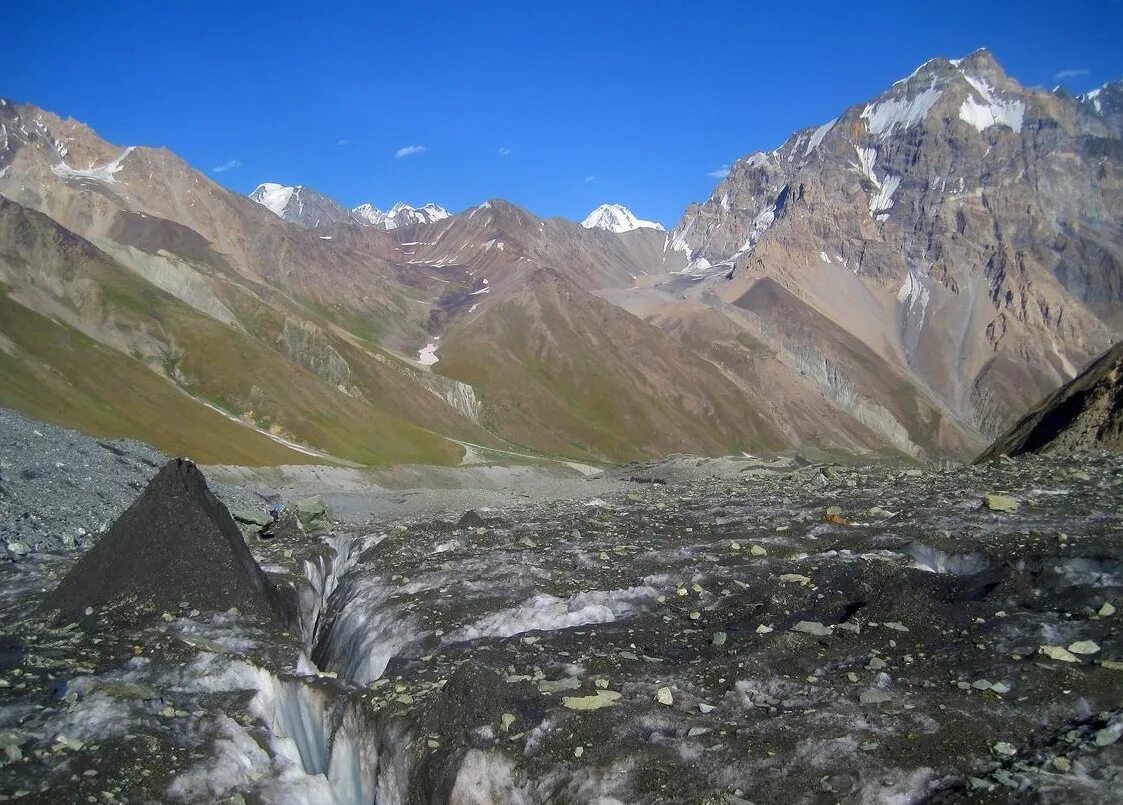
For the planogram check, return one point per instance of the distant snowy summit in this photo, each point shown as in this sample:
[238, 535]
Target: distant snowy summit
[310, 208]
[616, 218]
[399, 215]
[300, 205]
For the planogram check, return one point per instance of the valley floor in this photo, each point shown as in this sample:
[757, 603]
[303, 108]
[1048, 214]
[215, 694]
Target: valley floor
[693, 630]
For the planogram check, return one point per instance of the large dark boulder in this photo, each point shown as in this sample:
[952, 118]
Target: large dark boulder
[176, 543]
[1084, 414]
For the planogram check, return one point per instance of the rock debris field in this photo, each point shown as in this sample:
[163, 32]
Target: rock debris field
[696, 631]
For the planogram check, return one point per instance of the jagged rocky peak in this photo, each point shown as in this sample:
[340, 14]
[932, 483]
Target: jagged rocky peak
[617, 218]
[300, 205]
[400, 215]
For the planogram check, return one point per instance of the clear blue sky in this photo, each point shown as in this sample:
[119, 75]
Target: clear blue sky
[596, 101]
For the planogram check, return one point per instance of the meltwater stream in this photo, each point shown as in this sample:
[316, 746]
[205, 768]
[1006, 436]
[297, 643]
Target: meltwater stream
[349, 755]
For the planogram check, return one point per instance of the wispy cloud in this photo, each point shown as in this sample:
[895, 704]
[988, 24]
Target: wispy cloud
[1072, 72]
[229, 165]
[503, 151]
[590, 179]
[719, 173]
[343, 142]
[409, 150]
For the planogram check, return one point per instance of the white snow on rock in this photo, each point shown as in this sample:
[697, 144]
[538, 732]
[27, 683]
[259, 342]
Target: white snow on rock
[824, 257]
[273, 197]
[617, 218]
[992, 111]
[428, 354]
[103, 173]
[1094, 97]
[914, 294]
[883, 199]
[866, 159]
[885, 117]
[818, 135]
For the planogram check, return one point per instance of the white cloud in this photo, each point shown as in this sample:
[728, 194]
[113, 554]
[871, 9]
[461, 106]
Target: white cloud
[590, 179]
[343, 142]
[1071, 73]
[719, 173]
[229, 165]
[504, 151]
[409, 150]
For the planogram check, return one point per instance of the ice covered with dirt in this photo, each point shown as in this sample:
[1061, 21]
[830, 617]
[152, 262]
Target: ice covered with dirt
[735, 630]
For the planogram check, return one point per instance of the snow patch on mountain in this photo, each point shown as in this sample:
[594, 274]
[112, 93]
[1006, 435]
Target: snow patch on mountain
[914, 295]
[885, 117]
[273, 197]
[103, 173]
[818, 135]
[428, 354]
[883, 199]
[617, 218]
[992, 111]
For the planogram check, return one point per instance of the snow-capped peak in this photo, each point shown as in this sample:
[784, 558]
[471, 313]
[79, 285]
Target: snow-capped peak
[400, 215]
[273, 197]
[617, 218]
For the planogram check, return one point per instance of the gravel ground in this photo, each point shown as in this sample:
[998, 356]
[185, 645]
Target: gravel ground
[59, 487]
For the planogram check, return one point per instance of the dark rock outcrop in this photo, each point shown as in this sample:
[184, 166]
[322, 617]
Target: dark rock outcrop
[1084, 414]
[176, 543]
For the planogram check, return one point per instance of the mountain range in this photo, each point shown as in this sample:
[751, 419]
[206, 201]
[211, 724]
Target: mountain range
[906, 279]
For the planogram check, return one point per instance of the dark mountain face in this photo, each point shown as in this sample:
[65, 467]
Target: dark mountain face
[1084, 414]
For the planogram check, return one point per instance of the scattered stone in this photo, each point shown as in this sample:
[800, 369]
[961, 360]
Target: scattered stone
[762, 629]
[1083, 647]
[719, 638]
[312, 515]
[558, 685]
[664, 696]
[1106, 611]
[1005, 749]
[758, 550]
[1000, 503]
[794, 578]
[812, 628]
[1058, 653]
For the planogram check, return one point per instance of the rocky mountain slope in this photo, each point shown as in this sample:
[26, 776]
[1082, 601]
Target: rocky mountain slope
[963, 227]
[1085, 413]
[906, 279]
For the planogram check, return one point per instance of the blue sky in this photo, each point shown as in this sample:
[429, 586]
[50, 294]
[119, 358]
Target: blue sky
[555, 106]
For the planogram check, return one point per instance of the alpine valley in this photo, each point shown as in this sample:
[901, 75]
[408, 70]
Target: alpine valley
[907, 279]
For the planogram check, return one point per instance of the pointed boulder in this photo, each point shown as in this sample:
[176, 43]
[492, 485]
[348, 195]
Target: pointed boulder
[176, 543]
